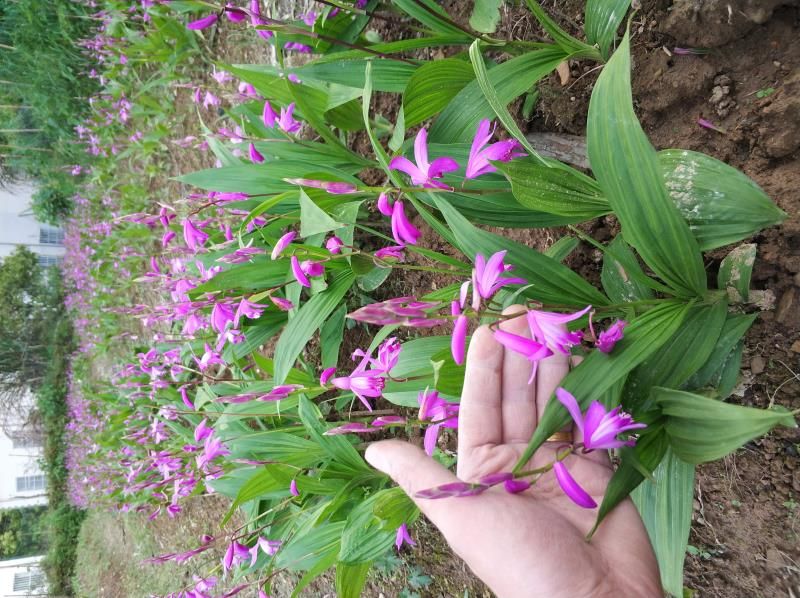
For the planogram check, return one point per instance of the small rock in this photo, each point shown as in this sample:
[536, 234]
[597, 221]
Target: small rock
[795, 348]
[776, 63]
[757, 364]
[718, 94]
[722, 80]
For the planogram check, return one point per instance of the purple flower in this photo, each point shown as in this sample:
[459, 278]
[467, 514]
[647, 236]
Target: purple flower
[255, 19]
[434, 408]
[528, 348]
[423, 172]
[707, 124]
[392, 252]
[326, 375]
[210, 357]
[332, 187]
[387, 420]
[255, 156]
[407, 311]
[487, 277]
[279, 392]
[459, 339]
[334, 244]
[185, 397]
[349, 428]
[247, 309]
[202, 431]
[403, 231]
[221, 315]
[293, 488]
[479, 156]
[548, 329]
[516, 486]
[388, 354]
[453, 489]
[286, 121]
[310, 18]
[282, 244]
[610, 337]
[281, 303]
[269, 116]
[571, 488]
[234, 14]
[302, 270]
[403, 537]
[203, 23]
[193, 236]
[363, 384]
[212, 449]
[599, 427]
[384, 207]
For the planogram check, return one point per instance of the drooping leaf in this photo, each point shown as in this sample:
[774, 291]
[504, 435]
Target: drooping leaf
[622, 275]
[721, 204]
[735, 271]
[701, 429]
[306, 322]
[626, 167]
[432, 86]
[603, 18]
[665, 505]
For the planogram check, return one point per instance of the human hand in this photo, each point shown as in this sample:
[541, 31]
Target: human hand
[533, 543]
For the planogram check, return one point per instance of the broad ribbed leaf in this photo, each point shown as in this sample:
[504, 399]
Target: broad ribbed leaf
[485, 15]
[330, 338]
[622, 275]
[676, 360]
[498, 106]
[306, 321]
[337, 447]
[721, 204]
[554, 188]
[561, 249]
[732, 331]
[735, 272]
[313, 219]
[350, 579]
[627, 168]
[702, 429]
[599, 371]
[261, 274]
[432, 86]
[665, 505]
[459, 120]
[430, 14]
[256, 179]
[552, 282]
[364, 537]
[387, 75]
[603, 18]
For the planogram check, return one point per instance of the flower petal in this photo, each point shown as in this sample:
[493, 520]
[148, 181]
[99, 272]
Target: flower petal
[571, 403]
[571, 488]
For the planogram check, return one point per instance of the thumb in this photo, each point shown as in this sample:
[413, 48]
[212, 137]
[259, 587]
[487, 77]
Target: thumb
[413, 471]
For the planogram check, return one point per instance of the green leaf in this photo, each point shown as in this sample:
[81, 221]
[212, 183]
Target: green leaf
[394, 508]
[686, 351]
[622, 275]
[256, 179]
[331, 335]
[666, 509]
[735, 272]
[599, 371]
[432, 86]
[313, 219]
[552, 187]
[498, 106]
[552, 281]
[603, 18]
[561, 249]
[364, 537]
[306, 321]
[373, 279]
[721, 204]
[569, 44]
[431, 15]
[388, 75]
[337, 447]
[485, 15]
[350, 579]
[459, 120]
[277, 446]
[702, 429]
[262, 273]
[310, 547]
[628, 171]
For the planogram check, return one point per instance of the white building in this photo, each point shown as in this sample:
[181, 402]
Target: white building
[18, 226]
[22, 577]
[22, 483]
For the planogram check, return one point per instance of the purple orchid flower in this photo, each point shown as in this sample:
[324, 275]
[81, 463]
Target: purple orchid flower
[528, 348]
[406, 311]
[326, 375]
[383, 205]
[193, 236]
[600, 428]
[293, 488]
[203, 23]
[349, 428]
[459, 339]
[391, 252]
[487, 276]
[363, 384]
[480, 156]
[334, 245]
[423, 172]
[434, 408]
[286, 121]
[221, 315]
[548, 329]
[571, 488]
[403, 231]
[247, 309]
[256, 157]
[610, 337]
[282, 244]
[403, 537]
[332, 187]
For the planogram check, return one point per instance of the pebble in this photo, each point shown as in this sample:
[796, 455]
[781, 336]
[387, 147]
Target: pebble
[757, 364]
[785, 305]
[795, 348]
[776, 63]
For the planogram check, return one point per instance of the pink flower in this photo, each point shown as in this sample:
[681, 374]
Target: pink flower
[600, 428]
[255, 19]
[392, 252]
[387, 420]
[480, 156]
[310, 18]
[407, 311]
[202, 431]
[423, 172]
[193, 236]
[332, 187]
[281, 303]
[282, 244]
[571, 488]
[403, 231]
[255, 155]
[334, 244]
[203, 23]
[293, 488]
[326, 375]
[247, 309]
[302, 270]
[435, 409]
[297, 272]
[349, 428]
[234, 14]
[487, 277]
[459, 339]
[384, 207]
[269, 116]
[388, 354]
[221, 315]
[403, 537]
[528, 348]
[363, 384]
[279, 392]
[548, 328]
[610, 337]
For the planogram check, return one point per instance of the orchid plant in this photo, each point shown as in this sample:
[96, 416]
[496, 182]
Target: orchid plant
[287, 240]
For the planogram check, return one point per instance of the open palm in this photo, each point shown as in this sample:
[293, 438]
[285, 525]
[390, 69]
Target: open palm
[533, 543]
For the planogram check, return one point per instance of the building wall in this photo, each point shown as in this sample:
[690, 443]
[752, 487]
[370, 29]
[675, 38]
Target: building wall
[18, 226]
[20, 568]
[17, 463]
